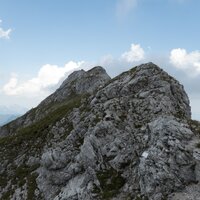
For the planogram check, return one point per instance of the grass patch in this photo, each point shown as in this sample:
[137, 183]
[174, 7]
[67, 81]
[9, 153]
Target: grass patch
[7, 195]
[31, 186]
[194, 126]
[29, 141]
[198, 145]
[110, 182]
[3, 180]
[23, 174]
[35, 135]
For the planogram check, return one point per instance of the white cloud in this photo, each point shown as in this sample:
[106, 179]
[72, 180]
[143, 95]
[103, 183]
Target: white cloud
[47, 77]
[189, 62]
[135, 54]
[4, 33]
[124, 7]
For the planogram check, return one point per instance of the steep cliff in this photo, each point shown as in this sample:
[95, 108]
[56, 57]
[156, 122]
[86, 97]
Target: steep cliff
[130, 137]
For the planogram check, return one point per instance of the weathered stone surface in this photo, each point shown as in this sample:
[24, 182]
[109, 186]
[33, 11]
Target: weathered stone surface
[131, 137]
[78, 83]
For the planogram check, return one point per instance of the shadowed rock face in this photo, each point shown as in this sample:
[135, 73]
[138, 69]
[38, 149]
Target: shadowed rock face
[100, 138]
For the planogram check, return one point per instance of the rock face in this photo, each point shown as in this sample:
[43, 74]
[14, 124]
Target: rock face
[130, 137]
[78, 83]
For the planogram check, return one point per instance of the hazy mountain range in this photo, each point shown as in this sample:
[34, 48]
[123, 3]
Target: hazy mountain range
[9, 113]
[4, 119]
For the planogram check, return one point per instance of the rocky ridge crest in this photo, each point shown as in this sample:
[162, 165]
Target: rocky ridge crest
[130, 137]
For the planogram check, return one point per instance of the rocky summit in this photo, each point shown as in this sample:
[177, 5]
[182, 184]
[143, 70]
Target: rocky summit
[96, 138]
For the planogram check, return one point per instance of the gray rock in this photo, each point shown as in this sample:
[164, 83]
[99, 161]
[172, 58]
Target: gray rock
[130, 137]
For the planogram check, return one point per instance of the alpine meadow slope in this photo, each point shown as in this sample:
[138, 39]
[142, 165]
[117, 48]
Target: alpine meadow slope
[130, 137]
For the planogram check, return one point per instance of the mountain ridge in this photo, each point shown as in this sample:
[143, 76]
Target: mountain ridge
[130, 137]
[73, 84]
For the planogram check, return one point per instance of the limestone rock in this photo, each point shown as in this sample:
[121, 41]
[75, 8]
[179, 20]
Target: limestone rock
[130, 137]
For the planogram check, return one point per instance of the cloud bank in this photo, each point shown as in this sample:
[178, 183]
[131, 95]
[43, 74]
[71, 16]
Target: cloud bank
[50, 76]
[183, 65]
[135, 54]
[47, 77]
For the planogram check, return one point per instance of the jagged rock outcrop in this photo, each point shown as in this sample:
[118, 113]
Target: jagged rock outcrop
[130, 137]
[78, 83]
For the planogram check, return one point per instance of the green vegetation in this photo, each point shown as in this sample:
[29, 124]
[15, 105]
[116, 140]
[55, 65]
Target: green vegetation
[7, 195]
[36, 134]
[110, 182]
[3, 180]
[23, 174]
[195, 126]
[138, 125]
[96, 120]
[123, 117]
[198, 145]
[133, 70]
[32, 186]
[79, 142]
[180, 114]
[29, 141]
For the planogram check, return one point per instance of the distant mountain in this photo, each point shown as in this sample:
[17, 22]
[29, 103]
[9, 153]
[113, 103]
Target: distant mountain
[12, 110]
[4, 119]
[10, 113]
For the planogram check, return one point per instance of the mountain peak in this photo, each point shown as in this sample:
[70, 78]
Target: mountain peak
[97, 69]
[130, 137]
[80, 82]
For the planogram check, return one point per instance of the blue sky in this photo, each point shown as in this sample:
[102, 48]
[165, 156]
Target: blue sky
[40, 39]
